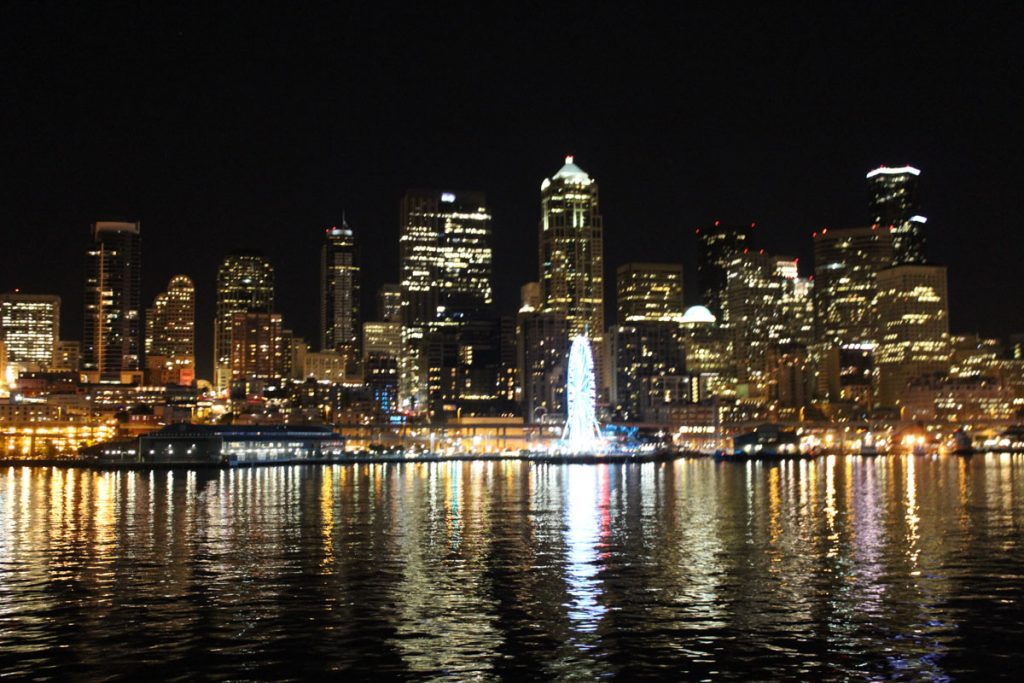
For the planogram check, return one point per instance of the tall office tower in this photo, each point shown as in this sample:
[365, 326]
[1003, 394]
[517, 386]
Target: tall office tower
[846, 262]
[389, 303]
[542, 351]
[647, 366]
[445, 255]
[463, 367]
[754, 310]
[339, 293]
[245, 284]
[171, 334]
[257, 350]
[572, 257]
[30, 329]
[718, 246]
[708, 351]
[112, 335]
[913, 328]
[798, 307]
[893, 203]
[445, 262]
[649, 292]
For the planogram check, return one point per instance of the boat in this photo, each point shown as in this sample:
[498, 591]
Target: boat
[766, 441]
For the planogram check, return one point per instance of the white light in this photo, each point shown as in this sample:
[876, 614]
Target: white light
[582, 433]
[918, 219]
[882, 170]
[447, 197]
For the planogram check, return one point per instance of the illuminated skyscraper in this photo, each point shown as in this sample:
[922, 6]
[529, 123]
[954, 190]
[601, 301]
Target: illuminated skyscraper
[445, 254]
[112, 336]
[339, 293]
[754, 309]
[30, 329]
[572, 251]
[718, 245]
[913, 328]
[171, 334]
[894, 207]
[649, 292]
[445, 262]
[245, 284]
[647, 366]
[846, 262]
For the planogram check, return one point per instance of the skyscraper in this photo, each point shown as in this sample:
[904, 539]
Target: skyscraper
[893, 201]
[913, 328]
[542, 361]
[245, 284]
[445, 256]
[572, 251]
[339, 292]
[846, 262]
[30, 329]
[718, 245]
[754, 309]
[647, 368]
[171, 334]
[112, 335]
[649, 292]
[445, 261]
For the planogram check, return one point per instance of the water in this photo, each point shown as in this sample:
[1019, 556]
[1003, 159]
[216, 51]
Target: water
[838, 568]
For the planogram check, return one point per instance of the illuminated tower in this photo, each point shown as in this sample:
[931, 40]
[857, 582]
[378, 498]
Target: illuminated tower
[572, 250]
[339, 292]
[445, 264]
[913, 328]
[245, 284]
[894, 207]
[112, 335]
[171, 334]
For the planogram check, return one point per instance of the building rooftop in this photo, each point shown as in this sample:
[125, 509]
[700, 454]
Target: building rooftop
[698, 315]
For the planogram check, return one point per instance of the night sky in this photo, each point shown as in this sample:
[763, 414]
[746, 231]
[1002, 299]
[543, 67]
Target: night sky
[255, 126]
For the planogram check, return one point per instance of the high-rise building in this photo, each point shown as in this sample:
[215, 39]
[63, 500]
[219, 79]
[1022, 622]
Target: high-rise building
[708, 352]
[463, 369]
[572, 250]
[445, 262]
[389, 303]
[171, 334]
[647, 360]
[893, 200]
[718, 245]
[245, 284]
[846, 262]
[754, 309]
[913, 328]
[445, 256]
[382, 349]
[542, 361]
[30, 329]
[530, 297]
[572, 256]
[649, 292]
[339, 293]
[257, 351]
[112, 335]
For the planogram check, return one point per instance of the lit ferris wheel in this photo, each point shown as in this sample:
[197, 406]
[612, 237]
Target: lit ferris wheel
[582, 433]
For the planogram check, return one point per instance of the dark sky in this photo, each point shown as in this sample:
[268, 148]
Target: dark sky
[255, 126]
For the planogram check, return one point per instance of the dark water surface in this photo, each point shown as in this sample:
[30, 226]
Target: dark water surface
[838, 568]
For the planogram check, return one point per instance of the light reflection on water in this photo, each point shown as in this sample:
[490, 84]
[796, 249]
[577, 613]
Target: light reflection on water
[841, 567]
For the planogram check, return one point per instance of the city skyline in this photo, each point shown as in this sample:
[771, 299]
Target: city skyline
[737, 116]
